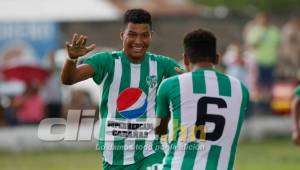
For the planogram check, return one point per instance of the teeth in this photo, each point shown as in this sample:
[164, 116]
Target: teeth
[137, 48]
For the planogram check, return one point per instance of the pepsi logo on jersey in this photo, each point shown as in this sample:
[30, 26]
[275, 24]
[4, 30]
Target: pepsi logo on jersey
[132, 103]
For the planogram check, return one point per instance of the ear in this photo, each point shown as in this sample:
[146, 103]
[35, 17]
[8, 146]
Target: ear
[121, 35]
[218, 58]
[186, 62]
[151, 34]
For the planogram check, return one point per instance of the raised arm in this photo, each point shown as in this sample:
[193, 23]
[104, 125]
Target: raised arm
[71, 73]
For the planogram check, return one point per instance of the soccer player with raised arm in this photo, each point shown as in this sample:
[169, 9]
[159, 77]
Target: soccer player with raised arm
[130, 78]
[205, 110]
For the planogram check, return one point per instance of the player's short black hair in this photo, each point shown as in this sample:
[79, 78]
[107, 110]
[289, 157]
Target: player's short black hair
[137, 16]
[200, 45]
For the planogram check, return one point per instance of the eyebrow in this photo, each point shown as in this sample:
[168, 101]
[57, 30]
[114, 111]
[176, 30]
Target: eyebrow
[130, 31]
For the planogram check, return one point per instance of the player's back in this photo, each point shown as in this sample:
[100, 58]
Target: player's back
[208, 109]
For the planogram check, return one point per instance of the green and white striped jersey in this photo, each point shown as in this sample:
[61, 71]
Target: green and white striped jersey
[128, 103]
[207, 110]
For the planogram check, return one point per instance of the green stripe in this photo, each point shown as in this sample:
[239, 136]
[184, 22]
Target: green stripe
[103, 107]
[198, 82]
[223, 84]
[244, 105]
[213, 157]
[176, 124]
[170, 155]
[161, 71]
[140, 143]
[118, 154]
[190, 155]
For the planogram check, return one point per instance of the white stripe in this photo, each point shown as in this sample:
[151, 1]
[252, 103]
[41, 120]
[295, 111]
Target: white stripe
[152, 91]
[151, 107]
[111, 108]
[201, 157]
[135, 74]
[211, 83]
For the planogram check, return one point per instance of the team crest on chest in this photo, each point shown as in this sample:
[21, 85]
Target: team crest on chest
[151, 81]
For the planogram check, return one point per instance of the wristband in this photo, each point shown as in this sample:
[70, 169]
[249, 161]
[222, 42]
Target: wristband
[70, 59]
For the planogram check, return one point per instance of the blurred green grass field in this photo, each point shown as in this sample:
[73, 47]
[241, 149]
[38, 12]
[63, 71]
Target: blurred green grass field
[275, 154]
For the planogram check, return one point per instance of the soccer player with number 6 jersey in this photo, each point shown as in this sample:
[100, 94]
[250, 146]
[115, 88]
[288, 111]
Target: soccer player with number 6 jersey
[203, 108]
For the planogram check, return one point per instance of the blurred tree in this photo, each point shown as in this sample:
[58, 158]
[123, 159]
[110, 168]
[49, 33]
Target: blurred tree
[241, 5]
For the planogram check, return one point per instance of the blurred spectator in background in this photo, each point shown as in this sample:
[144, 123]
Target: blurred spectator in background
[264, 41]
[80, 100]
[240, 65]
[235, 62]
[51, 91]
[30, 106]
[296, 116]
[290, 49]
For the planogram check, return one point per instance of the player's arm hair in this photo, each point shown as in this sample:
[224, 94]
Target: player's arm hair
[72, 74]
[162, 125]
[295, 113]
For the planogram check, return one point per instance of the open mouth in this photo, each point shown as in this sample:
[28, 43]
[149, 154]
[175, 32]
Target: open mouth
[137, 49]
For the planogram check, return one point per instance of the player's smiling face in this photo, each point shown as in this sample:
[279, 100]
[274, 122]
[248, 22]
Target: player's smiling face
[136, 40]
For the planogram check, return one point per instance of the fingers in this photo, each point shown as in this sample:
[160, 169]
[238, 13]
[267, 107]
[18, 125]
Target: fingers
[74, 39]
[67, 45]
[83, 42]
[179, 70]
[90, 47]
[79, 41]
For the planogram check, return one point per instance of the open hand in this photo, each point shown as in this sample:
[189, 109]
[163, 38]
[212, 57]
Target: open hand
[77, 47]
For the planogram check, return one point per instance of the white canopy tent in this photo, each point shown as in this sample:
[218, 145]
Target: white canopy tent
[57, 10]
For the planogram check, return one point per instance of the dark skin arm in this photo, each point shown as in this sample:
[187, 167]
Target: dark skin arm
[296, 118]
[71, 73]
[162, 127]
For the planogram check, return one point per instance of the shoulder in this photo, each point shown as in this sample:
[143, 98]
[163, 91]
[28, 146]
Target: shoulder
[171, 81]
[101, 55]
[236, 81]
[158, 57]
[244, 88]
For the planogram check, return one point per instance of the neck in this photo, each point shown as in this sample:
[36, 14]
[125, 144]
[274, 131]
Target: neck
[134, 59]
[203, 65]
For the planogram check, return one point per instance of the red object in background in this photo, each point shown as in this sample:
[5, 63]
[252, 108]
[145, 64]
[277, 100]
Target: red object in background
[27, 74]
[282, 94]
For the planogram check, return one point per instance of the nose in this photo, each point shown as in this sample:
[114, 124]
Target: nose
[138, 40]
